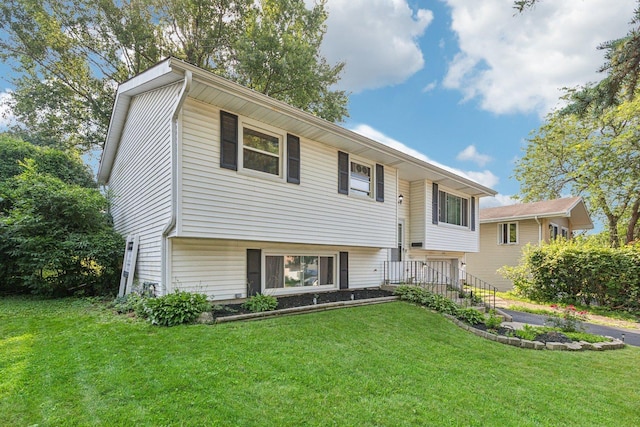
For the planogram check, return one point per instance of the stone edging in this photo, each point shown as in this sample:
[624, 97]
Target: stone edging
[537, 345]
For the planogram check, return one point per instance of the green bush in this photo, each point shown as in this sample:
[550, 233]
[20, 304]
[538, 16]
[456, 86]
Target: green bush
[579, 271]
[470, 316]
[261, 302]
[176, 308]
[493, 321]
[55, 238]
[131, 303]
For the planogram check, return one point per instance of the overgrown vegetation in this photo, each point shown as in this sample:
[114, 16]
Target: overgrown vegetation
[260, 302]
[578, 271]
[56, 237]
[71, 362]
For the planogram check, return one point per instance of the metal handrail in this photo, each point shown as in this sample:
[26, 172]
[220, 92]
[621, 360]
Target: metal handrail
[441, 277]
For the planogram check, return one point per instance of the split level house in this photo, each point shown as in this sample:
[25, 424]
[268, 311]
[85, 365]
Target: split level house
[505, 231]
[232, 193]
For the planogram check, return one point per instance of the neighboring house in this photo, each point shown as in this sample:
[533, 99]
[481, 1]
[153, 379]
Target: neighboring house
[506, 230]
[231, 193]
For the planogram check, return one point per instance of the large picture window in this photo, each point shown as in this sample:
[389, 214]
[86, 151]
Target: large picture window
[299, 271]
[453, 209]
[508, 233]
[260, 151]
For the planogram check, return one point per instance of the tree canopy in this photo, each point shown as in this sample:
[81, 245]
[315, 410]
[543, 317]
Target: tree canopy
[597, 156]
[55, 235]
[69, 60]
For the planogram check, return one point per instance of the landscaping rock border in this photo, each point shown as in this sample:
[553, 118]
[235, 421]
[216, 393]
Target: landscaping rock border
[538, 345]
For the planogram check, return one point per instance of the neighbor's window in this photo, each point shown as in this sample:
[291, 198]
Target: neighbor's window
[565, 232]
[553, 231]
[293, 271]
[453, 209]
[260, 151]
[360, 179]
[508, 233]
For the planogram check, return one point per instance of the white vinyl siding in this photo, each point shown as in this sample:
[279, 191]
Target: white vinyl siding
[218, 268]
[141, 177]
[225, 204]
[493, 256]
[446, 237]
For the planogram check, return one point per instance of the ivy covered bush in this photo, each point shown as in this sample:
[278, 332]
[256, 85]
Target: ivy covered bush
[579, 271]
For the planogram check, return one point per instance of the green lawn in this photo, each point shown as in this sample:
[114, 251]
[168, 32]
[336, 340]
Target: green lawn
[73, 363]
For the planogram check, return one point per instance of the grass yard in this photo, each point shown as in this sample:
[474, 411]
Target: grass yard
[70, 362]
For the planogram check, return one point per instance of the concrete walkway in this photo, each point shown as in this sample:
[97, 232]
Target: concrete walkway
[520, 318]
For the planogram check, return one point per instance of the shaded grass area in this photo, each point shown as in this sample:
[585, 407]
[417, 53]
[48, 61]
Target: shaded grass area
[73, 363]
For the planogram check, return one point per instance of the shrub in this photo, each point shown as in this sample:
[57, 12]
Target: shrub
[55, 238]
[470, 316]
[567, 319]
[579, 271]
[528, 333]
[260, 302]
[493, 321]
[176, 308]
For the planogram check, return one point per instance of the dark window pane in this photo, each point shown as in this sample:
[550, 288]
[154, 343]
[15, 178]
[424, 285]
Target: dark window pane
[274, 267]
[261, 162]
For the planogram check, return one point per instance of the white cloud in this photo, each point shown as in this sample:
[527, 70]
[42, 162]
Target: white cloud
[486, 178]
[376, 38]
[520, 62]
[497, 200]
[471, 154]
[431, 86]
[6, 116]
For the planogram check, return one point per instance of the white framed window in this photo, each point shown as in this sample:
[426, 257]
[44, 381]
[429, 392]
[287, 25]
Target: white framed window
[508, 233]
[554, 230]
[262, 149]
[565, 232]
[360, 179]
[453, 209]
[285, 273]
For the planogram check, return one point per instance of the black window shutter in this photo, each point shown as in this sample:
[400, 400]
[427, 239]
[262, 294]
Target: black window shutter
[293, 159]
[379, 183]
[228, 141]
[434, 203]
[344, 270]
[254, 272]
[473, 213]
[343, 173]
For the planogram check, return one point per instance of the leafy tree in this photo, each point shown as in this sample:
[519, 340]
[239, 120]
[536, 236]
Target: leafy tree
[597, 156]
[65, 165]
[55, 238]
[55, 235]
[69, 60]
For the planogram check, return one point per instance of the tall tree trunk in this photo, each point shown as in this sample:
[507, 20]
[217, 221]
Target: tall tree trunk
[633, 222]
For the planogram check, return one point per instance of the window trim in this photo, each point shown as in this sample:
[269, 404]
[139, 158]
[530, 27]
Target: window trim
[300, 289]
[267, 130]
[464, 198]
[501, 235]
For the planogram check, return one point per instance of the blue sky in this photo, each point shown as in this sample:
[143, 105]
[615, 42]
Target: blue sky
[463, 82]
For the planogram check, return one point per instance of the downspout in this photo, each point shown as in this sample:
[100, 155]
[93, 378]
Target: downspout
[186, 87]
[539, 230]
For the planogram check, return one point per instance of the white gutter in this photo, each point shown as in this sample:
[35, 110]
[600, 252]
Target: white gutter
[186, 87]
[539, 230]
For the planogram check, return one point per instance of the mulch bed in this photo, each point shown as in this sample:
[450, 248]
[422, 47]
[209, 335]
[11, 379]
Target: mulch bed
[301, 300]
